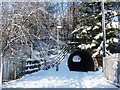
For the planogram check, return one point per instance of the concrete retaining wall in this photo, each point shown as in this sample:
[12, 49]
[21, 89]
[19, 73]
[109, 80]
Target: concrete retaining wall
[111, 68]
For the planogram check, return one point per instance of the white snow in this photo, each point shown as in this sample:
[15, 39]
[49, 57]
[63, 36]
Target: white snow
[61, 79]
[86, 46]
[31, 64]
[98, 35]
[113, 24]
[89, 28]
[84, 31]
[115, 40]
[74, 31]
[31, 69]
[96, 27]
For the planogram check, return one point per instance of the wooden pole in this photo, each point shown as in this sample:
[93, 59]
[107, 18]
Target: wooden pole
[103, 29]
[31, 49]
[15, 72]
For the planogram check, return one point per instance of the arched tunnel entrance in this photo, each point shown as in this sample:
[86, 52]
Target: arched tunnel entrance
[81, 60]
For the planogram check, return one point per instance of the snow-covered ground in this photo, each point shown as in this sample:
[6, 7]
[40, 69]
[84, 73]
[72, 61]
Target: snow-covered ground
[61, 79]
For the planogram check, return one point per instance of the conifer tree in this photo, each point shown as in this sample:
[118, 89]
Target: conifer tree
[88, 25]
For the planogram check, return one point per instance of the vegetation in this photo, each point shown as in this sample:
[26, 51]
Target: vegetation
[32, 26]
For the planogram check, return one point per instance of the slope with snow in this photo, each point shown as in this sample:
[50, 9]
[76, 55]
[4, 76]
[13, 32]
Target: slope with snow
[60, 79]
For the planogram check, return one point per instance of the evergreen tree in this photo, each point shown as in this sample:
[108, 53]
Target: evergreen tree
[88, 26]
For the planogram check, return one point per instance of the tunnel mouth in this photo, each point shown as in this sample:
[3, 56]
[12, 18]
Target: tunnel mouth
[80, 60]
[76, 58]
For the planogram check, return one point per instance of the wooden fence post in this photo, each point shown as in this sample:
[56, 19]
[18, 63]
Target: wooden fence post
[7, 71]
[14, 65]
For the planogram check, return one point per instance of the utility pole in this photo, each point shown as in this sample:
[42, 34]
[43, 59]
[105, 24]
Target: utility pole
[0, 45]
[103, 28]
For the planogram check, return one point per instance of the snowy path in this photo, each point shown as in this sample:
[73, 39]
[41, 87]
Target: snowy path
[61, 79]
